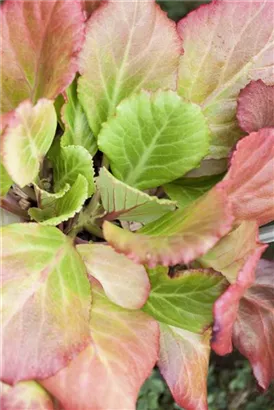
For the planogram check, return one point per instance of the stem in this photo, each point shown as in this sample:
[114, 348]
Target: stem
[105, 162]
[94, 230]
[13, 207]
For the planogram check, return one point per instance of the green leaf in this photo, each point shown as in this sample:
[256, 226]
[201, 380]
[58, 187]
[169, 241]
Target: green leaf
[129, 204]
[185, 301]
[27, 139]
[46, 300]
[186, 190]
[66, 206]
[5, 181]
[77, 131]
[68, 163]
[154, 139]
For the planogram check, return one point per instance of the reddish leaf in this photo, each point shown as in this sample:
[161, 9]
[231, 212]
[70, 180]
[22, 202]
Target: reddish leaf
[40, 41]
[226, 45]
[130, 45]
[256, 106]
[253, 332]
[236, 257]
[25, 396]
[46, 302]
[109, 373]
[251, 177]
[183, 362]
[177, 237]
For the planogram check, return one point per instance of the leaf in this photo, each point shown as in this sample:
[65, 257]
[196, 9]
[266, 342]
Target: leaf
[222, 53]
[185, 301]
[255, 106]
[186, 190]
[183, 362]
[129, 46]
[177, 237]
[77, 130]
[68, 163]
[256, 319]
[123, 352]
[154, 139]
[124, 282]
[236, 256]
[27, 139]
[46, 302]
[5, 181]
[25, 396]
[129, 204]
[40, 42]
[231, 253]
[250, 177]
[61, 209]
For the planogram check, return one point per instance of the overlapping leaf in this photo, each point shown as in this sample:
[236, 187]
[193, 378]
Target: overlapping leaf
[68, 163]
[129, 204]
[27, 139]
[45, 300]
[124, 282]
[77, 130]
[222, 53]
[251, 178]
[183, 362]
[236, 256]
[40, 42]
[255, 108]
[122, 354]
[253, 331]
[129, 46]
[186, 190]
[25, 396]
[177, 237]
[154, 139]
[66, 206]
[185, 301]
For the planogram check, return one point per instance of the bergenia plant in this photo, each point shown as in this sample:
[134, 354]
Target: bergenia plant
[137, 159]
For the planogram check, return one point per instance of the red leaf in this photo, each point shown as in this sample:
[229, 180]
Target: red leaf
[110, 372]
[40, 41]
[253, 332]
[183, 363]
[256, 106]
[251, 177]
[242, 262]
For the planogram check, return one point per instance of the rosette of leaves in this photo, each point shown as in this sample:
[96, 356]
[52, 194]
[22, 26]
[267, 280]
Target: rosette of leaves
[135, 243]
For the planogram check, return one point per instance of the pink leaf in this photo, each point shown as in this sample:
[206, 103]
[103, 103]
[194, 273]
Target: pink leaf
[256, 106]
[25, 396]
[251, 179]
[130, 45]
[236, 257]
[226, 45]
[46, 302]
[40, 42]
[109, 373]
[183, 362]
[177, 237]
[124, 282]
[253, 331]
